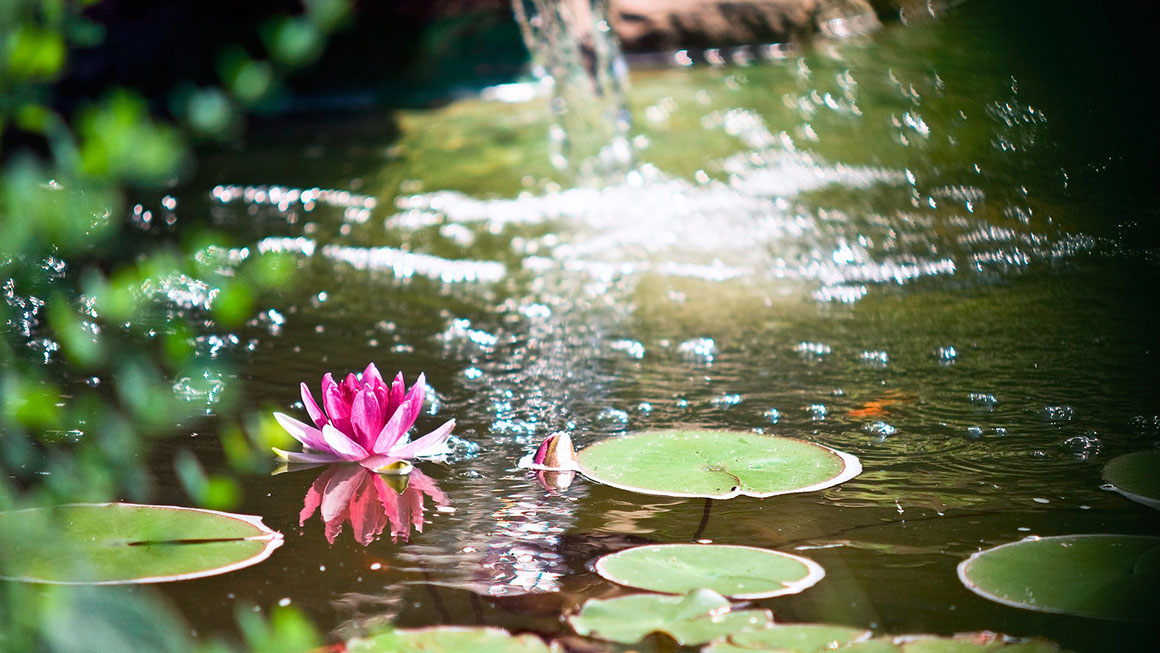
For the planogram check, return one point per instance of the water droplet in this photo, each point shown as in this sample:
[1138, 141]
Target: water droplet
[814, 349]
[983, 400]
[1083, 446]
[726, 401]
[698, 349]
[612, 417]
[880, 429]
[1063, 413]
[633, 348]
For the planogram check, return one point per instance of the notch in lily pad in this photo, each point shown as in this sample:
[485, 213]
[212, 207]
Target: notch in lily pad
[1102, 576]
[120, 543]
[714, 464]
[737, 572]
[1136, 476]
[691, 619]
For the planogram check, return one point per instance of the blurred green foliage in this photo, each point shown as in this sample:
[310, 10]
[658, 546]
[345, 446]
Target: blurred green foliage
[93, 350]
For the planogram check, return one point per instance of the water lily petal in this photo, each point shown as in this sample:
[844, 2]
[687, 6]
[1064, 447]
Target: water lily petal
[339, 490]
[371, 377]
[337, 406]
[350, 386]
[374, 462]
[413, 402]
[366, 420]
[304, 433]
[307, 457]
[402, 419]
[398, 389]
[316, 414]
[341, 445]
[373, 381]
[428, 445]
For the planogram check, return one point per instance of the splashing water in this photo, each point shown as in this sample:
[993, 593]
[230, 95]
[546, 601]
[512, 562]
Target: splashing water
[573, 49]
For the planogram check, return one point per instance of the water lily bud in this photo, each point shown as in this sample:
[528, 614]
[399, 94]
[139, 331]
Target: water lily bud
[556, 452]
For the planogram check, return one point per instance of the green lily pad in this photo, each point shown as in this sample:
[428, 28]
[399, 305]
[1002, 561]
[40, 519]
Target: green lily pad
[793, 637]
[115, 543]
[1136, 476]
[694, 618]
[821, 638]
[449, 639]
[985, 642]
[1102, 576]
[931, 644]
[714, 464]
[739, 572]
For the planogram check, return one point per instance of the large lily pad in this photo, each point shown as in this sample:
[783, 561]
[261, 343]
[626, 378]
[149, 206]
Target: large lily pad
[821, 638]
[449, 639]
[739, 572]
[714, 464]
[794, 637]
[694, 618]
[1136, 476]
[1103, 576]
[115, 543]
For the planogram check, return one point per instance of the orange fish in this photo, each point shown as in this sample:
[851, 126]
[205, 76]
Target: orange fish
[878, 408]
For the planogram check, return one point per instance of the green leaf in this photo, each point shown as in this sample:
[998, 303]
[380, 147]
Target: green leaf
[120, 141]
[210, 111]
[449, 639]
[1136, 476]
[739, 572]
[252, 81]
[233, 303]
[34, 53]
[295, 41]
[1102, 576]
[32, 404]
[821, 638]
[695, 618]
[110, 619]
[114, 543]
[714, 464]
[794, 637]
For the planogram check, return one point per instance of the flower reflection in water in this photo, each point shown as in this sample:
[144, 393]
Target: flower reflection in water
[370, 502]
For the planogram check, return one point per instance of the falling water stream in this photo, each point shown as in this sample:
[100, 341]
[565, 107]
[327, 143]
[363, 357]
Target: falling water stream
[923, 246]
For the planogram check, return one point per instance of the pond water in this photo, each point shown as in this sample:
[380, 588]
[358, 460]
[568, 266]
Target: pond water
[933, 247]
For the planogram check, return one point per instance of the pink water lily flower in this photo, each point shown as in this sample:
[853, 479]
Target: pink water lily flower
[365, 421]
